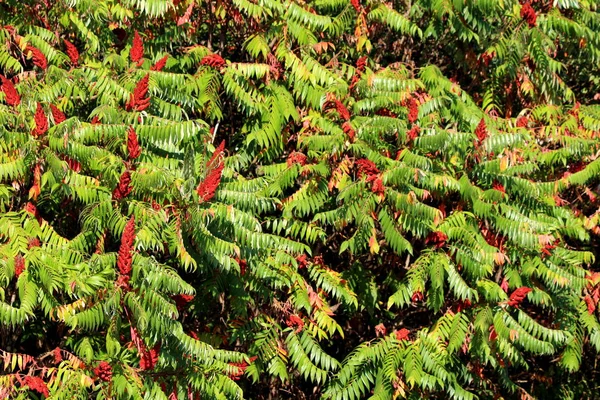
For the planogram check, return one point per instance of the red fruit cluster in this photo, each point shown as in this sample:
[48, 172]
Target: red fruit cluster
[19, 265]
[160, 64]
[498, 186]
[133, 147]
[417, 296]
[342, 110]
[294, 320]
[103, 371]
[125, 256]
[296, 157]
[437, 238]
[413, 133]
[361, 64]
[139, 100]
[356, 5]
[413, 110]
[123, 187]
[208, 187]
[528, 14]
[137, 48]
[302, 261]
[41, 122]
[591, 305]
[36, 384]
[73, 165]
[215, 158]
[487, 58]
[385, 112]
[241, 368]
[33, 242]
[58, 115]
[518, 296]
[213, 60]
[10, 93]
[366, 167]
[402, 334]
[481, 132]
[349, 130]
[549, 246]
[522, 122]
[182, 300]
[149, 358]
[377, 186]
[243, 265]
[57, 355]
[463, 305]
[72, 52]
[39, 58]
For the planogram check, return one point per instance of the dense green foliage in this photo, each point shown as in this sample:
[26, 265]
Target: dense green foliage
[282, 199]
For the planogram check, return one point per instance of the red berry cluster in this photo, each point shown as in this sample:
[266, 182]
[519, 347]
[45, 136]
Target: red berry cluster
[72, 52]
[103, 371]
[125, 256]
[41, 122]
[295, 321]
[39, 58]
[36, 384]
[437, 238]
[182, 300]
[58, 115]
[19, 265]
[518, 296]
[213, 60]
[10, 93]
[133, 146]
[528, 14]
[123, 187]
[481, 132]
[160, 64]
[139, 100]
[413, 110]
[137, 48]
[296, 157]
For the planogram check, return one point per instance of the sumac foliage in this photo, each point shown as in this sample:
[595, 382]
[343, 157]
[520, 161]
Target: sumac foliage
[299, 199]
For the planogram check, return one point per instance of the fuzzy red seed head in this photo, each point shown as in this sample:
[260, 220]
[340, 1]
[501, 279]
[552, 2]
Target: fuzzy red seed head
[19, 265]
[103, 371]
[58, 115]
[518, 296]
[413, 132]
[72, 52]
[133, 147]
[36, 384]
[39, 59]
[41, 122]
[528, 14]
[137, 48]
[123, 187]
[356, 5]
[522, 122]
[498, 186]
[139, 100]
[11, 96]
[377, 186]
[437, 238]
[208, 187]
[125, 256]
[213, 60]
[402, 334]
[295, 320]
[349, 130]
[57, 355]
[413, 110]
[366, 168]
[342, 110]
[361, 63]
[302, 261]
[160, 64]
[481, 131]
[182, 300]
[296, 157]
